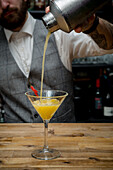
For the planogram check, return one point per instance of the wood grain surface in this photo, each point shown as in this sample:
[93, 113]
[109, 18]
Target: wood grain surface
[83, 146]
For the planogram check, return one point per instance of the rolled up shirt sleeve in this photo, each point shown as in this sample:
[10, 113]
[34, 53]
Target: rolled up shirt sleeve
[75, 45]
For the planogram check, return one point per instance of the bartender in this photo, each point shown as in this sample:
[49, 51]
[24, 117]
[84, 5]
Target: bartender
[22, 40]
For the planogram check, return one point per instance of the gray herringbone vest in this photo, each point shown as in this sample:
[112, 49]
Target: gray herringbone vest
[13, 84]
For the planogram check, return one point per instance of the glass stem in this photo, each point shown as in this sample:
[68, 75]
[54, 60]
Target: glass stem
[46, 134]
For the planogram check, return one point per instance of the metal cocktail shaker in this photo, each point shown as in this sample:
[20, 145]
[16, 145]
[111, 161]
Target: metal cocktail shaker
[67, 14]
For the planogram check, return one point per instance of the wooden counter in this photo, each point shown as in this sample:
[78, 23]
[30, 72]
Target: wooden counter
[83, 146]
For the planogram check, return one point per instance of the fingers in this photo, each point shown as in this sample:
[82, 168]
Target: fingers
[47, 9]
[86, 24]
[78, 29]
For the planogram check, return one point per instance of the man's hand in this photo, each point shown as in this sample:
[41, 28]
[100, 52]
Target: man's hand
[86, 25]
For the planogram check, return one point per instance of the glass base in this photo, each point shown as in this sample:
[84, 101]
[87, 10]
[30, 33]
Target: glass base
[46, 154]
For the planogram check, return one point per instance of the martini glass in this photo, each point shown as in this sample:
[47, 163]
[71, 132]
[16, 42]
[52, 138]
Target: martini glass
[46, 105]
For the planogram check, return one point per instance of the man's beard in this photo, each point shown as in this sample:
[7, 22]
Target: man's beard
[16, 19]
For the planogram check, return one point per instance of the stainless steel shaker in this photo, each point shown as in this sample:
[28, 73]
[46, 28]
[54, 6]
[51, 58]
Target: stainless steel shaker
[67, 14]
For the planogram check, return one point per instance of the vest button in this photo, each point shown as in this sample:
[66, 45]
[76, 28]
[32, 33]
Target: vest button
[36, 115]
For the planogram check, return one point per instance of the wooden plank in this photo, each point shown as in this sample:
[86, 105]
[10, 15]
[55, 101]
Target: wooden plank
[83, 146]
[57, 163]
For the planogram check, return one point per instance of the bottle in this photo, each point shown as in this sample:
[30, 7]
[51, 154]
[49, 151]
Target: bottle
[32, 3]
[39, 5]
[2, 112]
[98, 101]
[108, 102]
[104, 82]
[66, 15]
[47, 3]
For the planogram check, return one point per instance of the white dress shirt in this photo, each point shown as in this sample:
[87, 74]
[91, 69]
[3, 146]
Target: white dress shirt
[21, 45]
[75, 45]
[70, 45]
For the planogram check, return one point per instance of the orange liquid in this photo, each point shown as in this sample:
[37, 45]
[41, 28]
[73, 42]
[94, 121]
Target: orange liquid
[46, 107]
[43, 62]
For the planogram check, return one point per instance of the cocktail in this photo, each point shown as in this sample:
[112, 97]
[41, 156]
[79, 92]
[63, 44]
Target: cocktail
[46, 105]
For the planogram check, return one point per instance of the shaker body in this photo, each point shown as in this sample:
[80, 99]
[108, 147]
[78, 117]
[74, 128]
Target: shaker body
[66, 15]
